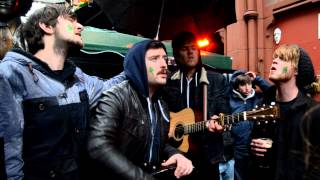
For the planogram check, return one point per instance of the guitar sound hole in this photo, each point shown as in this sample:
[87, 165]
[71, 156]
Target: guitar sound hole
[179, 132]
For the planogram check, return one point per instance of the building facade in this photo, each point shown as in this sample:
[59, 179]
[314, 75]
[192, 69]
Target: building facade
[263, 25]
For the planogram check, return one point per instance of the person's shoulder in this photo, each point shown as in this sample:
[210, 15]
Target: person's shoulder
[214, 76]
[119, 88]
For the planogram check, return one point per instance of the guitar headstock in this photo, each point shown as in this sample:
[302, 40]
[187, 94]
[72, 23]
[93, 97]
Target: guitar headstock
[264, 112]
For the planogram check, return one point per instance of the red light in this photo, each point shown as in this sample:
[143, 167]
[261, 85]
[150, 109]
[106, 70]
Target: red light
[203, 42]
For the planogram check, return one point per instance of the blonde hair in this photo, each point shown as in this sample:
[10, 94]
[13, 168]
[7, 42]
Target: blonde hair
[288, 53]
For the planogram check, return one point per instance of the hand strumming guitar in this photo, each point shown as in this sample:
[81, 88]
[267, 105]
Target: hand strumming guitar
[213, 124]
[183, 165]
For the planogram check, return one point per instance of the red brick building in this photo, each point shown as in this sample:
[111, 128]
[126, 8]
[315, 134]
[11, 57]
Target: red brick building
[250, 41]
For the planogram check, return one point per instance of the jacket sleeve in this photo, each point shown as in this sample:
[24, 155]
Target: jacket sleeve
[11, 131]
[218, 95]
[103, 139]
[95, 85]
[262, 83]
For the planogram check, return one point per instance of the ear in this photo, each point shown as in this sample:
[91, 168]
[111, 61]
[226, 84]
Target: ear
[296, 71]
[46, 28]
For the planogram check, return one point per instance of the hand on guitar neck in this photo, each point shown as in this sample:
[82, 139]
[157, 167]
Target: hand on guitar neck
[213, 124]
[183, 123]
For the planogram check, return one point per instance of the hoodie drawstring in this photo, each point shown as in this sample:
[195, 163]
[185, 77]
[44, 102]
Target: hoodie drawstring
[152, 128]
[163, 114]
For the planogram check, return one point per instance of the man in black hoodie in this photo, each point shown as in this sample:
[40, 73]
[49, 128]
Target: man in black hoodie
[130, 129]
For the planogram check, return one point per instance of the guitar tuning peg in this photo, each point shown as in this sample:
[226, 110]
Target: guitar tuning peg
[263, 105]
[256, 106]
[258, 123]
[266, 122]
[272, 103]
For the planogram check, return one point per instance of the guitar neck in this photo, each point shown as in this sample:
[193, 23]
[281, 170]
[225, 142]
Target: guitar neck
[223, 120]
[233, 118]
[196, 127]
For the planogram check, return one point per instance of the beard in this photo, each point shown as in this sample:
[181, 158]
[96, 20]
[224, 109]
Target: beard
[69, 46]
[75, 45]
[280, 78]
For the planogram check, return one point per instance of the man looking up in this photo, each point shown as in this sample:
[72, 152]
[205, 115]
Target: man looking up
[293, 75]
[51, 98]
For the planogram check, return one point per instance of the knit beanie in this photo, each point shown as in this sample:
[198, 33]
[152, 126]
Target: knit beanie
[306, 74]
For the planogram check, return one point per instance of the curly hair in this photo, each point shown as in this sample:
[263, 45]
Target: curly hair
[31, 31]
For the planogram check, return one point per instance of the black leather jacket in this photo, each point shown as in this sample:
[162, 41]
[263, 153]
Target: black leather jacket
[120, 133]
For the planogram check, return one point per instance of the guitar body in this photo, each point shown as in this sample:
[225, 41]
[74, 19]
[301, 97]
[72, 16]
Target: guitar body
[176, 130]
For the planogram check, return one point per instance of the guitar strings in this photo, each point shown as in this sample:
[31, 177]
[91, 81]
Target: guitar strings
[198, 126]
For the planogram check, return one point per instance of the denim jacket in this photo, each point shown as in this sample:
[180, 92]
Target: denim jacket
[26, 77]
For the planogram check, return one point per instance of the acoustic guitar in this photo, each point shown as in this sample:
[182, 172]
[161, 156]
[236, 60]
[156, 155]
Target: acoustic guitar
[183, 122]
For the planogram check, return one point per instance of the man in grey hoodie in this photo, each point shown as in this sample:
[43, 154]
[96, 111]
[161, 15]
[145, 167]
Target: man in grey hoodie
[48, 99]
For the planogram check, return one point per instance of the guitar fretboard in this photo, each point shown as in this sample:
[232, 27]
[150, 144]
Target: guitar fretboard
[223, 120]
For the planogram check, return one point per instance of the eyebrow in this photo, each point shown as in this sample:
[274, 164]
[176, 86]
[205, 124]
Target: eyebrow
[156, 56]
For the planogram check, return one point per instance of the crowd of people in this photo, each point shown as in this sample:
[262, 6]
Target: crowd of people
[56, 122]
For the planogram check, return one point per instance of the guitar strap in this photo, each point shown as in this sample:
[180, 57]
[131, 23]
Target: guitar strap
[205, 102]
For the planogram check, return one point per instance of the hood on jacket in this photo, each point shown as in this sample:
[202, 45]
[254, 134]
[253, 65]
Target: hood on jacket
[135, 67]
[27, 59]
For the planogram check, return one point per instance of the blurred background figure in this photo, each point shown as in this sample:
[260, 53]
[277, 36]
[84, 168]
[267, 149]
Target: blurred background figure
[10, 11]
[310, 133]
[244, 96]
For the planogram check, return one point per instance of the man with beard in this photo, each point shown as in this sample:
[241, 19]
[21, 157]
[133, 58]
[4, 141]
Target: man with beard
[130, 129]
[293, 75]
[49, 98]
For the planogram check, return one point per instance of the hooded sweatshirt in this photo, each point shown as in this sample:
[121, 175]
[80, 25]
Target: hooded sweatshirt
[135, 70]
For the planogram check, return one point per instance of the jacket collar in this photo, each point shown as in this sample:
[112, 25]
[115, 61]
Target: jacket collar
[203, 77]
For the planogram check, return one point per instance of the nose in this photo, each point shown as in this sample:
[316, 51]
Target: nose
[190, 50]
[79, 27]
[163, 63]
[275, 60]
